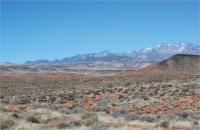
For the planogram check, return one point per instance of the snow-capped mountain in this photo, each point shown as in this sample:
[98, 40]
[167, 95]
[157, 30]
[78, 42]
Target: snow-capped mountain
[164, 51]
[157, 53]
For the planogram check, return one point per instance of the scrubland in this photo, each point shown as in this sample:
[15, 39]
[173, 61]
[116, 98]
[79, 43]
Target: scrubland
[71, 102]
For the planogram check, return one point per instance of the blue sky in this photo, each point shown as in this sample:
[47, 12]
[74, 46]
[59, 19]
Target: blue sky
[54, 30]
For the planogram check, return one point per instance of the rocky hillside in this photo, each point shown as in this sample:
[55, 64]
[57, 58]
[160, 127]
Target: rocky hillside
[180, 64]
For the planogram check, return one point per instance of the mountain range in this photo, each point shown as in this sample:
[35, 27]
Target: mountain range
[158, 53]
[130, 60]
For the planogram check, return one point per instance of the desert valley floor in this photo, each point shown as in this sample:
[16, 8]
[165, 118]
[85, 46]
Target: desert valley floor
[163, 96]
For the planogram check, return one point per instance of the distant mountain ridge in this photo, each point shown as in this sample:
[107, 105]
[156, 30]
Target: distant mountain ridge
[157, 53]
[106, 60]
[179, 63]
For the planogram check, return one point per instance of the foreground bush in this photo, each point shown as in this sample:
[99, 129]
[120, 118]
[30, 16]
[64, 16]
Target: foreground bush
[184, 114]
[147, 118]
[98, 126]
[32, 119]
[6, 124]
[165, 124]
[101, 105]
[132, 117]
[120, 113]
[42, 116]
[89, 118]
[69, 124]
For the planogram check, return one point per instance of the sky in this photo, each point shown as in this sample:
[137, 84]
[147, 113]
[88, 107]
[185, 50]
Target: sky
[55, 30]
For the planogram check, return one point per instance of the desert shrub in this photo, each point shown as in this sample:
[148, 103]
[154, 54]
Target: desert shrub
[164, 124]
[15, 115]
[6, 123]
[89, 118]
[86, 115]
[63, 125]
[61, 101]
[110, 85]
[54, 107]
[76, 123]
[65, 111]
[2, 96]
[120, 113]
[90, 121]
[196, 123]
[184, 114]
[33, 119]
[77, 110]
[127, 83]
[41, 115]
[19, 101]
[101, 105]
[132, 117]
[145, 129]
[97, 108]
[4, 100]
[147, 118]
[3, 110]
[98, 126]
[69, 124]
